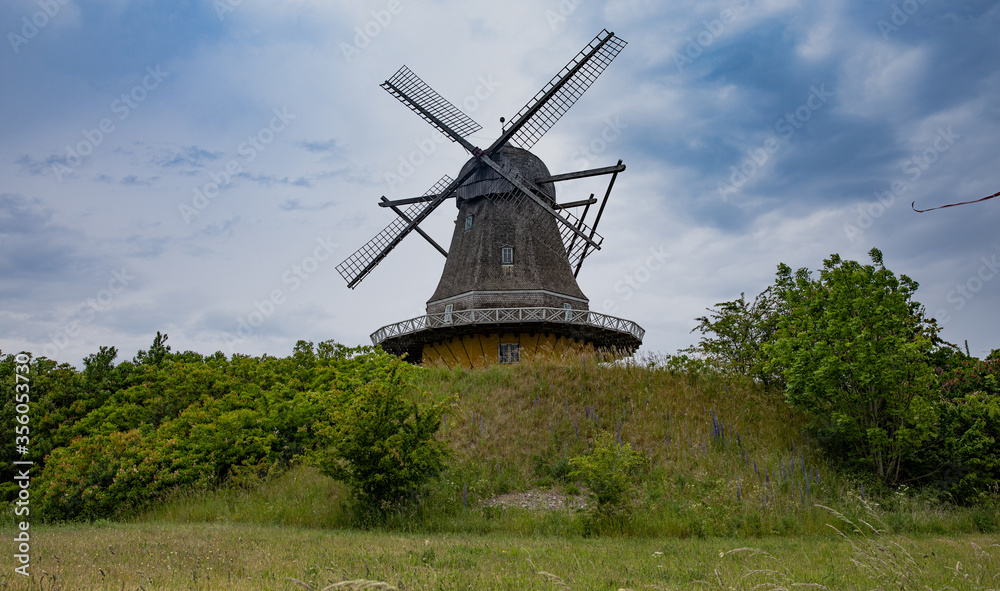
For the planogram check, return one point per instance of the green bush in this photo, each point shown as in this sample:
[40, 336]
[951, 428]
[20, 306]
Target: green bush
[973, 439]
[734, 335]
[383, 444]
[609, 471]
[970, 429]
[854, 348]
[123, 436]
[100, 476]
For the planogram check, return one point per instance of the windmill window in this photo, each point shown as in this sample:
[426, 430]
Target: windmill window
[468, 222]
[448, 312]
[510, 353]
[508, 255]
[569, 311]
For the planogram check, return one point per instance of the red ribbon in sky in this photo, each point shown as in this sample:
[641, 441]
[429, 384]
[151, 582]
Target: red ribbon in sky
[952, 204]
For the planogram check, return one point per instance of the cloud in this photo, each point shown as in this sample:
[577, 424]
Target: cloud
[225, 228]
[296, 205]
[130, 180]
[37, 250]
[30, 166]
[142, 246]
[331, 146]
[49, 270]
[185, 157]
[268, 180]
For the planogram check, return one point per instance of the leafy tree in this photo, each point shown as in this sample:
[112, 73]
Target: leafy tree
[157, 352]
[384, 444]
[853, 347]
[332, 350]
[734, 334]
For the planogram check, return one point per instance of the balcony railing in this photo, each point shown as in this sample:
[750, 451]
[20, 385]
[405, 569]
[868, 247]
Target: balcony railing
[507, 316]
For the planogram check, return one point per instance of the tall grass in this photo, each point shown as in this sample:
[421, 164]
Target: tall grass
[301, 497]
[166, 556]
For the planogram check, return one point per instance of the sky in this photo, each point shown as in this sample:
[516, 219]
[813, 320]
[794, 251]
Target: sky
[200, 167]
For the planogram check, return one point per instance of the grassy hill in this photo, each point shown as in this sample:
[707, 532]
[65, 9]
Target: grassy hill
[724, 458]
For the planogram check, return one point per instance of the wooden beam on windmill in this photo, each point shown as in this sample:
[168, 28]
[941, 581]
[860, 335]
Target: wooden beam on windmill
[417, 228]
[582, 202]
[397, 202]
[582, 174]
[357, 266]
[597, 220]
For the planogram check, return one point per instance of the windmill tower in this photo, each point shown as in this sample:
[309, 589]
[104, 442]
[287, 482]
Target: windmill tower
[508, 290]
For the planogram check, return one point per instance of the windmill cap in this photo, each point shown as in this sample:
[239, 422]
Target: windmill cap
[485, 181]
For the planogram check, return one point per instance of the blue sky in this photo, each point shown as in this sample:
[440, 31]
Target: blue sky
[186, 166]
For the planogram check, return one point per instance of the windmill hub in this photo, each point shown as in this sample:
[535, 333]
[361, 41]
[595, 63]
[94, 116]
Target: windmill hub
[508, 290]
[484, 181]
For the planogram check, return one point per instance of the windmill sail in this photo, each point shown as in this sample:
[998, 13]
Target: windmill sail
[556, 97]
[576, 249]
[355, 267]
[433, 108]
[529, 125]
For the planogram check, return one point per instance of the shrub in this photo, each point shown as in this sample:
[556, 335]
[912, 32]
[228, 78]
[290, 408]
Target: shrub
[609, 471]
[384, 445]
[99, 477]
[972, 439]
[970, 429]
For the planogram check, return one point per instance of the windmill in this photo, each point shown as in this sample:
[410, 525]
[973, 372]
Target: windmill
[508, 289]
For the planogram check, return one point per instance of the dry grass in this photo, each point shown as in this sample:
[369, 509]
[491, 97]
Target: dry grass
[725, 457]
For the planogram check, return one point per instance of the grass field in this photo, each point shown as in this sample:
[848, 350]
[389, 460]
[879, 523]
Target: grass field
[244, 556]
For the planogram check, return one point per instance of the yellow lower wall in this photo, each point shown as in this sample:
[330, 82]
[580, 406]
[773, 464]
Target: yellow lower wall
[481, 350]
